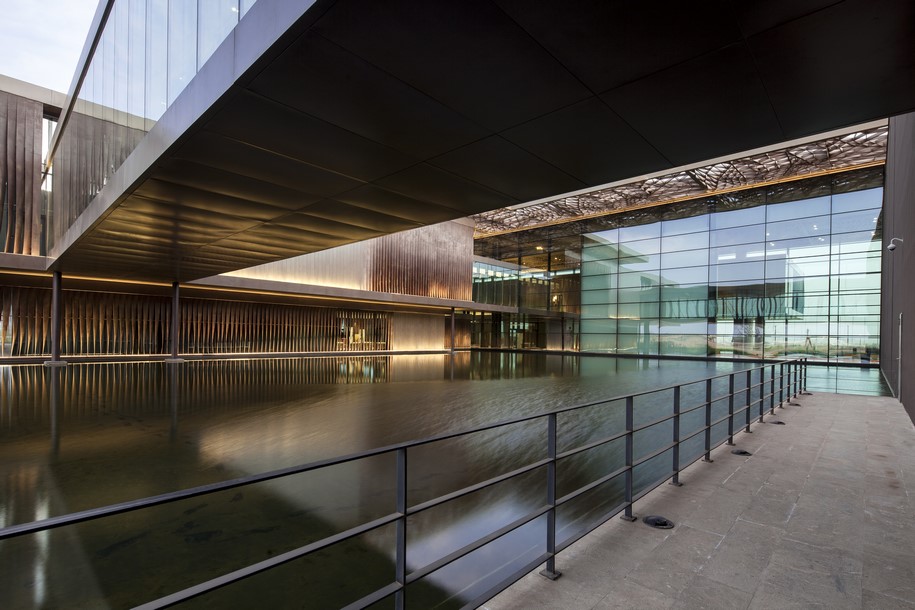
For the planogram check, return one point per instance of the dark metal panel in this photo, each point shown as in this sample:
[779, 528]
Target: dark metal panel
[845, 64]
[241, 159]
[505, 167]
[720, 107]
[201, 177]
[214, 203]
[590, 142]
[264, 123]
[756, 17]
[453, 51]
[426, 183]
[357, 96]
[609, 44]
[409, 211]
[328, 227]
[350, 213]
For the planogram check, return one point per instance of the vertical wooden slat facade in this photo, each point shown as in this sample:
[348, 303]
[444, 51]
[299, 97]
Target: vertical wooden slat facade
[20, 174]
[96, 323]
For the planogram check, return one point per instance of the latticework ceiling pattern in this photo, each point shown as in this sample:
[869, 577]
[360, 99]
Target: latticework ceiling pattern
[855, 149]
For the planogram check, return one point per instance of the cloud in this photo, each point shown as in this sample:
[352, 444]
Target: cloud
[42, 39]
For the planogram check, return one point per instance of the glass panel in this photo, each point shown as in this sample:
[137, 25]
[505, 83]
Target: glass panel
[685, 225]
[640, 263]
[182, 45]
[738, 218]
[216, 20]
[740, 235]
[807, 227]
[685, 275]
[798, 209]
[640, 248]
[737, 271]
[136, 62]
[685, 242]
[858, 200]
[627, 234]
[156, 58]
[121, 56]
[688, 258]
[855, 221]
[246, 5]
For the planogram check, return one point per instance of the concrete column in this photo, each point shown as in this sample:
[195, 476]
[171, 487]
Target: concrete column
[452, 329]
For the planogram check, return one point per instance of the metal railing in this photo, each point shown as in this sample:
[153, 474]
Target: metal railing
[760, 389]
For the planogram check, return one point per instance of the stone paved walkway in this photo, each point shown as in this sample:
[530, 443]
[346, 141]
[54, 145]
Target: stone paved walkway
[821, 515]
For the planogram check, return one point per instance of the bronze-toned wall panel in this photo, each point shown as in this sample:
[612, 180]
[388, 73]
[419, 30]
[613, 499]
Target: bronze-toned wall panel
[25, 321]
[20, 174]
[434, 261]
[231, 327]
[96, 323]
[90, 150]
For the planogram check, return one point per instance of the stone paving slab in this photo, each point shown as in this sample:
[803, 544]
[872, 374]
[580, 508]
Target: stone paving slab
[820, 516]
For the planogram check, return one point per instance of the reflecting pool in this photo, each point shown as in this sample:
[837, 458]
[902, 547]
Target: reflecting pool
[106, 433]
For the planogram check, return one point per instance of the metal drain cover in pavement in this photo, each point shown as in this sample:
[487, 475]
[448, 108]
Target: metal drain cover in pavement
[740, 452]
[662, 523]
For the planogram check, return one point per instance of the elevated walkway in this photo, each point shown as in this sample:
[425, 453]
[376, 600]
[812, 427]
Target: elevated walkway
[818, 516]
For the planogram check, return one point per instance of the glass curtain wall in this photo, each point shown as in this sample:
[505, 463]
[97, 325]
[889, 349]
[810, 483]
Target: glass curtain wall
[148, 52]
[782, 270]
[781, 278]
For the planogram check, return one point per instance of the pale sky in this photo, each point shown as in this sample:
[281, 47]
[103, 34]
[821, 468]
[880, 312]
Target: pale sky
[40, 40]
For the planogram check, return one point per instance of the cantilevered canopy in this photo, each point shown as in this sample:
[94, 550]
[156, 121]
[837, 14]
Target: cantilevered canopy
[326, 123]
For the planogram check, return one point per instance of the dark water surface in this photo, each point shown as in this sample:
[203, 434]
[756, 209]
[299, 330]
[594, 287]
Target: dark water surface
[108, 433]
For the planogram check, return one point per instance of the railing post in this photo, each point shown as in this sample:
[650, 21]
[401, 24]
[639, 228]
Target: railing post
[792, 380]
[746, 412]
[804, 378]
[772, 391]
[676, 458]
[550, 571]
[708, 421]
[731, 409]
[762, 393]
[781, 385]
[400, 564]
[627, 515]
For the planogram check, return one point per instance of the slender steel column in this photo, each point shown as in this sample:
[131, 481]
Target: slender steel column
[56, 280]
[55, 316]
[175, 324]
[452, 329]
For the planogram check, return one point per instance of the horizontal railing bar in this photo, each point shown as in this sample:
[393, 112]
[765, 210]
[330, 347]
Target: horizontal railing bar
[655, 422]
[592, 485]
[691, 434]
[691, 409]
[131, 505]
[418, 508]
[591, 445]
[477, 544]
[261, 566]
[579, 534]
[720, 420]
[507, 582]
[654, 454]
[374, 597]
[652, 486]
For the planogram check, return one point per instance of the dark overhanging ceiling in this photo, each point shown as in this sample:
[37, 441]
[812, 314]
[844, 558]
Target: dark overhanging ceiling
[368, 117]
